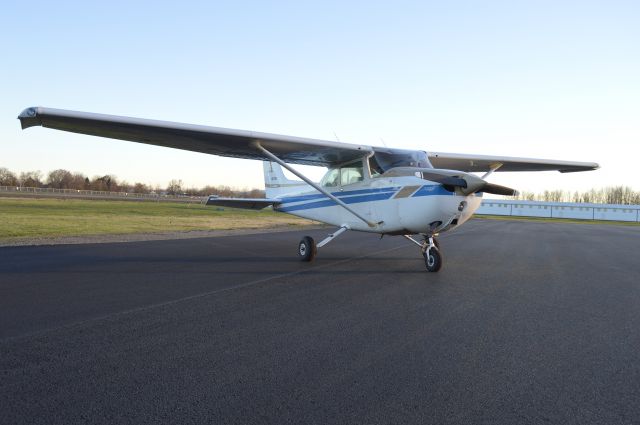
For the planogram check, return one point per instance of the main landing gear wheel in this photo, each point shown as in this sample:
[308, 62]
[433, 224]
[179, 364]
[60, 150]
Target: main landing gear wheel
[433, 259]
[307, 249]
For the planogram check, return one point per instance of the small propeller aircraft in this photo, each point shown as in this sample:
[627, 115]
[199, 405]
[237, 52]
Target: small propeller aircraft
[366, 188]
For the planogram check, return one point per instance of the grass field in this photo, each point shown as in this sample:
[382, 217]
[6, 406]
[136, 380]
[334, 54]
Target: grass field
[30, 218]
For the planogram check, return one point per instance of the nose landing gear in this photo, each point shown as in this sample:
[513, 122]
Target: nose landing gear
[432, 256]
[430, 249]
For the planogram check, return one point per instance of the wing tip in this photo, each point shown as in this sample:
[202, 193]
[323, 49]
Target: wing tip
[30, 117]
[588, 167]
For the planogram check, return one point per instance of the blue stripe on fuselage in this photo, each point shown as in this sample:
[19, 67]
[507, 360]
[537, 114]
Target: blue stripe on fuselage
[331, 202]
[290, 199]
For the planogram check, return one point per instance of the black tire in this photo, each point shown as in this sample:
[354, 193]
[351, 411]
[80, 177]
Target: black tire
[433, 261]
[307, 249]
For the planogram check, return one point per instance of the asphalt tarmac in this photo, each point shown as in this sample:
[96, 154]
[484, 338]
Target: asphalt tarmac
[527, 322]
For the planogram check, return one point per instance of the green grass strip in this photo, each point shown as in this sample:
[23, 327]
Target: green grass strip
[28, 217]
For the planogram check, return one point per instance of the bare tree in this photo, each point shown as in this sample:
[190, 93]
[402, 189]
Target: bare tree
[141, 188]
[97, 183]
[79, 182]
[175, 187]
[106, 183]
[124, 186]
[256, 193]
[192, 191]
[552, 196]
[526, 196]
[7, 178]
[60, 179]
[30, 179]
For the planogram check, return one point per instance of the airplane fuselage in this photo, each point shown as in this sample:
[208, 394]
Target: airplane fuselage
[401, 205]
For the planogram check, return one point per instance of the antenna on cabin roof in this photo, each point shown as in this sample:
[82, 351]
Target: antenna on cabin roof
[382, 140]
[337, 138]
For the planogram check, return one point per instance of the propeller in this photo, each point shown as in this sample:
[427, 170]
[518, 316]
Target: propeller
[496, 189]
[468, 183]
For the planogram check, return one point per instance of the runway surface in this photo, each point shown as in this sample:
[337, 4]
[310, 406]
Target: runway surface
[528, 322]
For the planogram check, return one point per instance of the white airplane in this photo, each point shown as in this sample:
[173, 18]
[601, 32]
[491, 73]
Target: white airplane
[366, 188]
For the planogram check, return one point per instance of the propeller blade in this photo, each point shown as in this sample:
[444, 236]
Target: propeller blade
[496, 189]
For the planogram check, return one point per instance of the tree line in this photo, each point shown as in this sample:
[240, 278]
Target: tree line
[64, 179]
[622, 195]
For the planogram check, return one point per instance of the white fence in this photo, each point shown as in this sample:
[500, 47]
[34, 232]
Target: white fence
[560, 210]
[96, 194]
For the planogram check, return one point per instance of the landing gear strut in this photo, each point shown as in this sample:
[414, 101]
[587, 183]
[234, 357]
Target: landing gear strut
[430, 249]
[307, 248]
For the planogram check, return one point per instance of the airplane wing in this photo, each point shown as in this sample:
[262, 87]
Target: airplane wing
[295, 150]
[198, 138]
[484, 163]
[244, 203]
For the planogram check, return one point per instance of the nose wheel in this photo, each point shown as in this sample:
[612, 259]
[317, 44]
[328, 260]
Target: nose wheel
[432, 259]
[430, 249]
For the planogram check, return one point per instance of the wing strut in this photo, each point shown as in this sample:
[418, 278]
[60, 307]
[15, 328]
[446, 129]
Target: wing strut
[492, 168]
[312, 184]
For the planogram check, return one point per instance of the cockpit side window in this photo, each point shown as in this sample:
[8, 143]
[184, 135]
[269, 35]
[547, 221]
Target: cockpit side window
[351, 173]
[331, 179]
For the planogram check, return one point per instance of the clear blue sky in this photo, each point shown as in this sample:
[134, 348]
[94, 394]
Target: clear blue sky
[548, 79]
